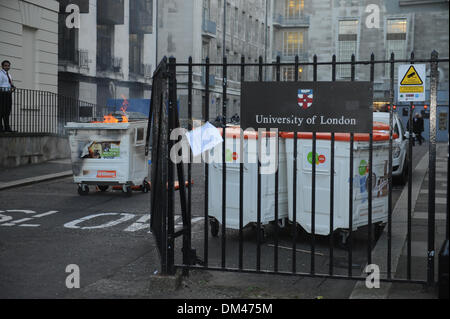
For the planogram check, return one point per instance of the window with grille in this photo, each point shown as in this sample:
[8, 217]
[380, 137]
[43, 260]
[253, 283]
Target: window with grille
[288, 73]
[293, 43]
[219, 15]
[348, 35]
[294, 8]
[206, 6]
[395, 41]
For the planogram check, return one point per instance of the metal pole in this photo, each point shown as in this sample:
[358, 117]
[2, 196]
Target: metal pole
[432, 167]
[224, 27]
[266, 38]
[410, 152]
[156, 32]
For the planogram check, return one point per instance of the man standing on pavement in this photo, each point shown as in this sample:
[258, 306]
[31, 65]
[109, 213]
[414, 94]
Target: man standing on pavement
[418, 127]
[6, 89]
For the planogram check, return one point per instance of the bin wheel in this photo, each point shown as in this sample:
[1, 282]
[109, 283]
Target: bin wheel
[262, 235]
[214, 223]
[145, 187]
[341, 237]
[103, 188]
[83, 190]
[378, 230]
[127, 190]
[403, 178]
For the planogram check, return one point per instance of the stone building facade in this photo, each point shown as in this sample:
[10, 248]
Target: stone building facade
[112, 53]
[29, 40]
[196, 29]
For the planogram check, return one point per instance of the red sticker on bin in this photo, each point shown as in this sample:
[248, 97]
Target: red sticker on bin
[322, 159]
[106, 174]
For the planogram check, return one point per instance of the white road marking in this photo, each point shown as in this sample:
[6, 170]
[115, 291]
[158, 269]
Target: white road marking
[16, 222]
[126, 217]
[46, 214]
[141, 223]
[21, 211]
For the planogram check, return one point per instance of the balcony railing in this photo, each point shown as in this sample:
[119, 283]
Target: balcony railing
[141, 69]
[107, 63]
[280, 20]
[42, 112]
[77, 58]
[288, 57]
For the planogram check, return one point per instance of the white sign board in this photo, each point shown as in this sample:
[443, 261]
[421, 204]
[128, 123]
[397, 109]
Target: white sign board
[411, 82]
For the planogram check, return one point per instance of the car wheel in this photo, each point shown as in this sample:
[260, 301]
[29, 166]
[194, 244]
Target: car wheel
[403, 178]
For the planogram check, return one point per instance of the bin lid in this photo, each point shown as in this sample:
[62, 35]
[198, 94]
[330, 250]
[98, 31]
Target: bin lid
[345, 137]
[380, 126]
[235, 132]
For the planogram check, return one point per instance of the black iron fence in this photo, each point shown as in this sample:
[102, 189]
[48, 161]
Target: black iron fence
[276, 260]
[35, 111]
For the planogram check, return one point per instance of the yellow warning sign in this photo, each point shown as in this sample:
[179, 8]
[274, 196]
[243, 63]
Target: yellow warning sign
[411, 89]
[411, 77]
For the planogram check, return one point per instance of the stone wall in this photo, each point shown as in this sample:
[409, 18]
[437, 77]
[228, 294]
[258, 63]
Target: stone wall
[22, 149]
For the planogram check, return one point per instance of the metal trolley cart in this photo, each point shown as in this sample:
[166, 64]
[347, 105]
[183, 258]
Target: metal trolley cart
[109, 154]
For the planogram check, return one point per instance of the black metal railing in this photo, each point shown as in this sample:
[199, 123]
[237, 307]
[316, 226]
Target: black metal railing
[42, 112]
[219, 256]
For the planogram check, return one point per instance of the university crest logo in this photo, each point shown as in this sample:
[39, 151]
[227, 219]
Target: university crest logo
[305, 98]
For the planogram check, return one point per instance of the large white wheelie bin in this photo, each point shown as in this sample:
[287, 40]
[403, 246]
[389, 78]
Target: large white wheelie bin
[250, 175]
[380, 178]
[108, 154]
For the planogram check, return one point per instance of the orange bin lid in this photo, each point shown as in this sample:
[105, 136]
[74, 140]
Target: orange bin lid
[378, 134]
[380, 126]
[235, 132]
[345, 137]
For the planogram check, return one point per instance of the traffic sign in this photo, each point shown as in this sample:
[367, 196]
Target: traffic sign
[411, 82]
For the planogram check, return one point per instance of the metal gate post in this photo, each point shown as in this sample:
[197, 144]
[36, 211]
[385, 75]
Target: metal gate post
[432, 166]
[170, 189]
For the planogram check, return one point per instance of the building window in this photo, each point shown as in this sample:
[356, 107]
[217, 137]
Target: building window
[294, 8]
[206, 11]
[136, 51]
[288, 73]
[348, 35]
[228, 26]
[105, 47]
[219, 15]
[395, 40]
[68, 41]
[293, 43]
[236, 22]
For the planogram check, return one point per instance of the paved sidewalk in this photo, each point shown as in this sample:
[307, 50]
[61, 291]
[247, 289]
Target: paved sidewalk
[419, 236]
[34, 173]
